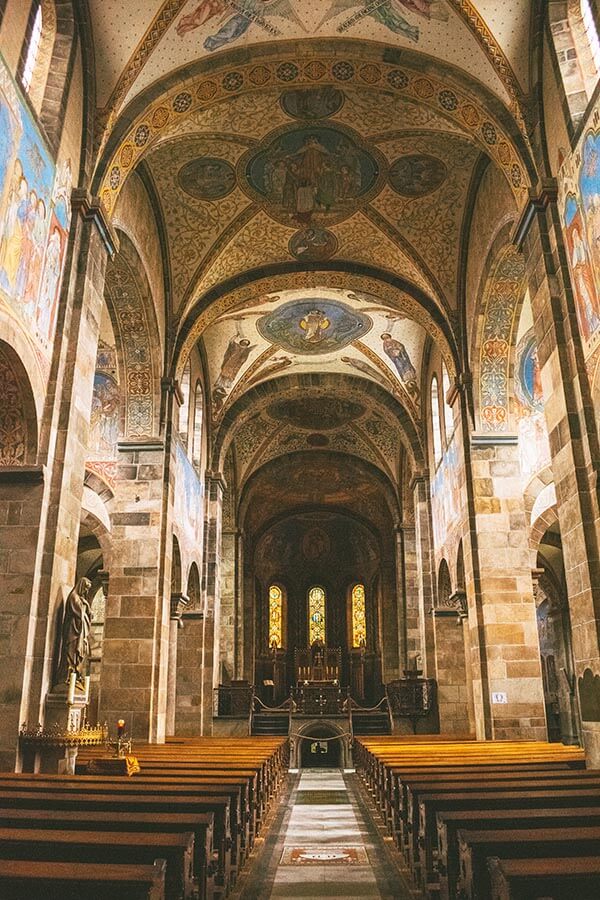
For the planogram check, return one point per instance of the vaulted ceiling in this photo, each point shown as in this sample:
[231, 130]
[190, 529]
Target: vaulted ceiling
[314, 195]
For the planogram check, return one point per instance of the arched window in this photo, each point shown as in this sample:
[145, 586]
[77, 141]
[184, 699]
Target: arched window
[359, 616]
[184, 409]
[316, 615]
[436, 431]
[33, 46]
[197, 434]
[276, 616]
[591, 32]
[448, 411]
[577, 47]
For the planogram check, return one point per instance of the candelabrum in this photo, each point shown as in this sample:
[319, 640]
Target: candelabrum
[56, 736]
[122, 746]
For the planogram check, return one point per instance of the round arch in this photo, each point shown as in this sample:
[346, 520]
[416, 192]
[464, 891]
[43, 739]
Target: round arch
[166, 105]
[18, 418]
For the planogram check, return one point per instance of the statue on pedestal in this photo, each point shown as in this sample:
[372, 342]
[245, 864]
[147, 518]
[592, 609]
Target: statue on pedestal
[75, 634]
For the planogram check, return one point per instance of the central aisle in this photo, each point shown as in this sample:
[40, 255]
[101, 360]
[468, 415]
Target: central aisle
[324, 843]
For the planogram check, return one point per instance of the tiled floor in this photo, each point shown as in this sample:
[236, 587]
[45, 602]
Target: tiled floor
[324, 843]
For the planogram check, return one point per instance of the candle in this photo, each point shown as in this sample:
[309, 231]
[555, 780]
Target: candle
[71, 694]
[120, 727]
[87, 688]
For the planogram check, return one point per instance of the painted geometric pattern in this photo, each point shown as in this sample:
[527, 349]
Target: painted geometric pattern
[165, 115]
[503, 292]
[13, 422]
[123, 290]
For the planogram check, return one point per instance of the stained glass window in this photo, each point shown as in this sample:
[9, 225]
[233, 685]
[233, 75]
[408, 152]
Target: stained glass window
[359, 616]
[448, 411]
[316, 615]
[32, 49]
[275, 616]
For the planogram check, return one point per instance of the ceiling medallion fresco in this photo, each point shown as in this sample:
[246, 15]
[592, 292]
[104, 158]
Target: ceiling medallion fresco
[312, 104]
[313, 326]
[417, 174]
[317, 174]
[313, 244]
[207, 178]
[316, 413]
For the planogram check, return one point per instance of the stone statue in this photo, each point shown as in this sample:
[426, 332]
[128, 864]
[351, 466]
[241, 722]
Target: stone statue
[75, 634]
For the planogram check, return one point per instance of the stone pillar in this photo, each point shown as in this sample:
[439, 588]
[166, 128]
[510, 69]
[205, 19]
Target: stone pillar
[178, 604]
[572, 430]
[133, 678]
[425, 579]
[238, 663]
[40, 506]
[409, 634]
[229, 587]
[215, 486]
[508, 692]
[454, 696]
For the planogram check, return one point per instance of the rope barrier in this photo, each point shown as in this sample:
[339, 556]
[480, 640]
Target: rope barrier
[311, 737]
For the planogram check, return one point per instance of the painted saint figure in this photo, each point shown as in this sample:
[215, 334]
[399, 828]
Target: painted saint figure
[315, 324]
[396, 351]
[237, 352]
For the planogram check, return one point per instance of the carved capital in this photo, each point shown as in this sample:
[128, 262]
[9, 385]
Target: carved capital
[179, 602]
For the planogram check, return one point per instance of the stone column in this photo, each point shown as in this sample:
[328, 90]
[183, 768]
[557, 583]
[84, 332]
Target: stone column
[215, 486]
[40, 506]
[133, 679]
[572, 429]
[425, 579]
[508, 692]
[409, 634]
[227, 636]
[178, 604]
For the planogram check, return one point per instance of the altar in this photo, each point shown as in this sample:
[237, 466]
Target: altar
[318, 665]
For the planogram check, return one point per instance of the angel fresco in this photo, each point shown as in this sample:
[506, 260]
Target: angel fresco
[388, 13]
[245, 14]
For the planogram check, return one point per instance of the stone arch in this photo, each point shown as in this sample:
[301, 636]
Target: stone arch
[160, 109]
[333, 729]
[502, 297]
[543, 522]
[129, 299]
[18, 419]
[459, 580]
[260, 396]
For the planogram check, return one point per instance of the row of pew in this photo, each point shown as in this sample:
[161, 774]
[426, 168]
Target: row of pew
[488, 820]
[179, 829]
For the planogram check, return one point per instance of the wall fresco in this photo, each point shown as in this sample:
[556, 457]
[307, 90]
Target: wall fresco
[312, 174]
[579, 183]
[445, 495]
[34, 218]
[534, 447]
[188, 510]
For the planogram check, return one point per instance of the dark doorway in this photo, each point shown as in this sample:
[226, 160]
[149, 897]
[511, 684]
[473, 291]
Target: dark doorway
[319, 751]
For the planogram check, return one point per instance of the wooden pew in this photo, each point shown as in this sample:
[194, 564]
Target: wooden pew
[110, 847]
[559, 878]
[525, 798]
[97, 785]
[476, 846]
[134, 803]
[200, 825]
[21, 879]
[446, 866]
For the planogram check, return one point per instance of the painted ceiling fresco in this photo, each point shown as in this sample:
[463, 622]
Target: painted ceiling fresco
[313, 174]
[313, 330]
[143, 40]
